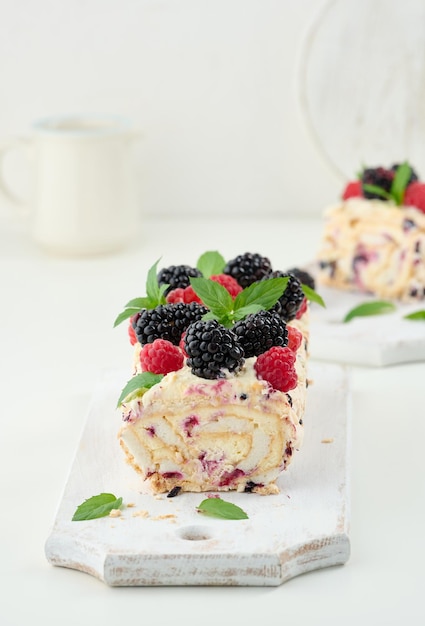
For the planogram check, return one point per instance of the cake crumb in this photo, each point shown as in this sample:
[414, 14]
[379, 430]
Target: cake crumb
[166, 516]
[142, 513]
[130, 505]
[328, 440]
[115, 513]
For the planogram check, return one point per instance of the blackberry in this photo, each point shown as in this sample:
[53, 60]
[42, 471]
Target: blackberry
[212, 348]
[260, 331]
[177, 276]
[379, 177]
[248, 268]
[167, 321]
[292, 298]
[304, 277]
[413, 175]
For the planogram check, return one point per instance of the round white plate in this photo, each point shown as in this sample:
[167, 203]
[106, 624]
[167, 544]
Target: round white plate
[362, 83]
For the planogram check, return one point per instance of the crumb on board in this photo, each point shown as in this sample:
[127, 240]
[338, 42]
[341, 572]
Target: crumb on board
[114, 513]
[327, 440]
[166, 516]
[142, 513]
[130, 505]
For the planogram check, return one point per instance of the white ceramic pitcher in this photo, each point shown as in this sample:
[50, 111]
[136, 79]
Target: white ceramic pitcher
[85, 197]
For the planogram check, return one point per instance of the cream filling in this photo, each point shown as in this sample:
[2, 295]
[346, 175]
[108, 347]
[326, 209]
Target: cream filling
[375, 247]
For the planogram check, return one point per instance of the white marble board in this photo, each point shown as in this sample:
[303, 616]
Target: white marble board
[304, 528]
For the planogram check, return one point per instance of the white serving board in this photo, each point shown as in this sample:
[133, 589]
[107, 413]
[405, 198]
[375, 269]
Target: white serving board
[305, 527]
[375, 341]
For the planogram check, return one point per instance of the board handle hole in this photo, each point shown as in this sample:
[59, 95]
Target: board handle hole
[195, 533]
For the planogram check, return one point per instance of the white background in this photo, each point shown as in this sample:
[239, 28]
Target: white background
[212, 84]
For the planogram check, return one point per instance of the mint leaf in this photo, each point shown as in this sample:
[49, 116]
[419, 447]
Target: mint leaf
[378, 191]
[154, 297]
[378, 307]
[216, 507]
[312, 295]
[213, 295]
[211, 263]
[139, 382]
[400, 181]
[264, 292]
[125, 315]
[96, 506]
[239, 314]
[417, 315]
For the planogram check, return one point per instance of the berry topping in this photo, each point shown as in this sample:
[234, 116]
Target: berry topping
[303, 276]
[353, 189]
[248, 268]
[378, 177]
[259, 332]
[277, 367]
[212, 348]
[415, 196]
[161, 357]
[295, 338]
[131, 331]
[177, 276]
[413, 175]
[230, 283]
[292, 298]
[303, 309]
[167, 321]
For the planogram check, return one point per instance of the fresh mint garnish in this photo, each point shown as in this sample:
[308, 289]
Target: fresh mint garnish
[378, 307]
[154, 297]
[312, 295]
[211, 263]
[398, 185]
[226, 310]
[417, 315]
[138, 385]
[400, 182]
[216, 507]
[96, 506]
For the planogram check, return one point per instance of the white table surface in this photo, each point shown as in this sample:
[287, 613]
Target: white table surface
[57, 336]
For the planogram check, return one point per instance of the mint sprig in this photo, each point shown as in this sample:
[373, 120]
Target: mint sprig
[96, 506]
[226, 310]
[138, 385]
[211, 263]
[416, 316]
[398, 185]
[378, 307]
[154, 297]
[312, 295]
[216, 507]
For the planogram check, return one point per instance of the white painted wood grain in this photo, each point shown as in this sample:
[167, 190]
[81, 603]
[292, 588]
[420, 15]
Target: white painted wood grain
[305, 527]
[362, 83]
[376, 341]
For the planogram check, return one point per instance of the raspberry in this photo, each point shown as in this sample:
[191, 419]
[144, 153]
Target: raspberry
[230, 283]
[303, 308]
[161, 357]
[176, 295]
[277, 367]
[415, 196]
[248, 268]
[131, 331]
[353, 189]
[295, 338]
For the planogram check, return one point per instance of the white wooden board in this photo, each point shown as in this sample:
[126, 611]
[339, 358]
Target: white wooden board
[305, 527]
[375, 341]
